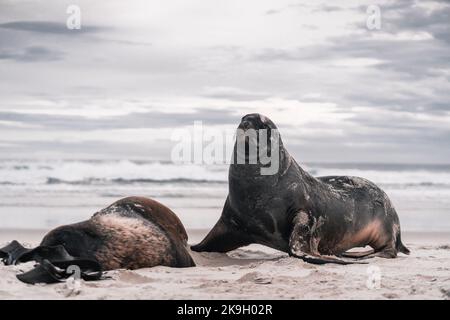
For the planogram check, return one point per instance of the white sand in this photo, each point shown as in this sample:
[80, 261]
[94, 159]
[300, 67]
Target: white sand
[257, 272]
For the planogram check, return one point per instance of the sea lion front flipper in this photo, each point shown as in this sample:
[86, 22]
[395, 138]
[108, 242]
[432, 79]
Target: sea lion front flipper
[43, 272]
[221, 239]
[90, 270]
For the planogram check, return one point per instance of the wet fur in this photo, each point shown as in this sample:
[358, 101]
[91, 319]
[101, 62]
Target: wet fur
[131, 233]
[308, 217]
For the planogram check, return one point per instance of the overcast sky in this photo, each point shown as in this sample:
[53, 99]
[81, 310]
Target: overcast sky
[136, 70]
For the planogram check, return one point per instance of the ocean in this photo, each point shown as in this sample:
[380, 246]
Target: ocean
[36, 194]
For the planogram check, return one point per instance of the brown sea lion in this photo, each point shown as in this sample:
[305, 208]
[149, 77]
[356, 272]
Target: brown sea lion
[131, 233]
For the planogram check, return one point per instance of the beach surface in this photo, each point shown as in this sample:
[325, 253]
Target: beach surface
[255, 272]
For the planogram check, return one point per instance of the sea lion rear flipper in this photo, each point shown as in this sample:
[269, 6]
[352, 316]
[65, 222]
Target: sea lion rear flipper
[221, 239]
[358, 254]
[319, 259]
[11, 253]
[303, 242]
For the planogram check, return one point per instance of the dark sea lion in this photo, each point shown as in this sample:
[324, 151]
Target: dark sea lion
[310, 218]
[131, 233]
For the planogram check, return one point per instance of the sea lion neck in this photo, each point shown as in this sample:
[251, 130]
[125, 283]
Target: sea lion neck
[252, 171]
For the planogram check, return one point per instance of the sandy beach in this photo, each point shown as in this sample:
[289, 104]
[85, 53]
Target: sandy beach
[256, 272]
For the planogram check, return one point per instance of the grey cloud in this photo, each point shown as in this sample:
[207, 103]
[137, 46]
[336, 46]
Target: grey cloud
[235, 95]
[269, 55]
[134, 120]
[402, 61]
[400, 100]
[328, 8]
[160, 150]
[392, 5]
[347, 150]
[31, 54]
[436, 22]
[399, 123]
[397, 138]
[315, 8]
[272, 11]
[48, 27]
[127, 42]
[413, 77]
[403, 15]
[88, 149]
[60, 29]
[362, 46]
[416, 58]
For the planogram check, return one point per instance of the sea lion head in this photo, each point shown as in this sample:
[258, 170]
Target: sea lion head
[258, 147]
[256, 121]
[79, 240]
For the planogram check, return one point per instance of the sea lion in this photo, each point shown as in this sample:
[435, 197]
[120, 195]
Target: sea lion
[310, 218]
[131, 233]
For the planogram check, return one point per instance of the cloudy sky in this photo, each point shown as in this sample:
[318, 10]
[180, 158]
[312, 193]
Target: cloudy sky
[136, 70]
